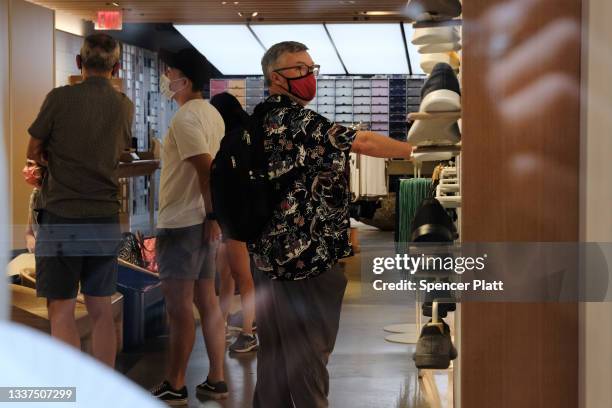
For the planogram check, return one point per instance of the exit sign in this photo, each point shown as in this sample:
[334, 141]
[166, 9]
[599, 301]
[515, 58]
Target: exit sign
[109, 20]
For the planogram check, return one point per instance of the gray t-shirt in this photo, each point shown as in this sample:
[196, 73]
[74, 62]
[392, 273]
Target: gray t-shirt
[85, 128]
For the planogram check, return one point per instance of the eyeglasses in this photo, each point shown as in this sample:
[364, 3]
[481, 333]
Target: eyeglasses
[303, 69]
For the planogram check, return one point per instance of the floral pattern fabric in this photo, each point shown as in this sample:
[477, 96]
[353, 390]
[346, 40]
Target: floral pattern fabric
[308, 232]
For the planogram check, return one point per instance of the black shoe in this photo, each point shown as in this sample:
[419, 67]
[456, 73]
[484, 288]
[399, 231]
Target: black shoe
[441, 88]
[216, 391]
[244, 343]
[169, 395]
[436, 10]
[434, 349]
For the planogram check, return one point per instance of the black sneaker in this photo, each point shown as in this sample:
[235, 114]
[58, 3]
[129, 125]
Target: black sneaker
[434, 349]
[169, 395]
[244, 343]
[216, 391]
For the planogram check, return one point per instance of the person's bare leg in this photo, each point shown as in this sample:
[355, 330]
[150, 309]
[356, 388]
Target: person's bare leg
[179, 300]
[63, 324]
[227, 286]
[212, 327]
[240, 265]
[103, 336]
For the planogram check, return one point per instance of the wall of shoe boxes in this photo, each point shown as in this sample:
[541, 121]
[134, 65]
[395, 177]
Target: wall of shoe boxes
[379, 103]
[141, 70]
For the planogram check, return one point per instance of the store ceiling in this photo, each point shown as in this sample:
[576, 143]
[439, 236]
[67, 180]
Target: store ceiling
[218, 11]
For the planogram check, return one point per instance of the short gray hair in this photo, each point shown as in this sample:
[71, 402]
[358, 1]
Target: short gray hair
[100, 52]
[274, 53]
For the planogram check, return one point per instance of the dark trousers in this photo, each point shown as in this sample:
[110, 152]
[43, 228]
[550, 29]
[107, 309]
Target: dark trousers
[297, 325]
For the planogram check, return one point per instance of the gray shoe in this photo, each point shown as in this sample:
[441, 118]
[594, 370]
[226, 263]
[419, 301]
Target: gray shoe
[244, 343]
[434, 349]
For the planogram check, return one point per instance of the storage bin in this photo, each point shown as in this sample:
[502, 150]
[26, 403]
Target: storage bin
[362, 92]
[344, 100]
[362, 84]
[236, 83]
[380, 101]
[344, 117]
[361, 109]
[380, 118]
[362, 100]
[344, 83]
[144, 312]
[344, 92]
[380, 109]
[380, 91]
[380, 83]
[362, 118]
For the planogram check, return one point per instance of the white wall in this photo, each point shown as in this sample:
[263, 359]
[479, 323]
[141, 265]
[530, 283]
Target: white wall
[32, 71]
[596, 196]
[67, 46]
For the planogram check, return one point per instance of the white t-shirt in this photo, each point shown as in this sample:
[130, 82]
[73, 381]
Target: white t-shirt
[197, 128]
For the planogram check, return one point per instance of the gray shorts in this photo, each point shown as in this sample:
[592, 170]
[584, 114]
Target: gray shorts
[183, 254]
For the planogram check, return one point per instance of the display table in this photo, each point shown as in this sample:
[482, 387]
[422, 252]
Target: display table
[140, 168]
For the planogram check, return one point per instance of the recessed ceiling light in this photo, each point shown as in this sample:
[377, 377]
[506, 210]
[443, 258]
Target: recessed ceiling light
[254, 14]
[236, 3]
[240, 14]
[224, 3]
[115, 4]
[380, 13]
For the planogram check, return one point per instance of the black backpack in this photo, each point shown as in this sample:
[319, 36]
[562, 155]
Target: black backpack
[243, 196]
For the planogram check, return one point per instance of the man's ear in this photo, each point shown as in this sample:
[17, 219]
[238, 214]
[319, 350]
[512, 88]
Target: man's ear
[116, 69]
[277, 79]
[79, 62]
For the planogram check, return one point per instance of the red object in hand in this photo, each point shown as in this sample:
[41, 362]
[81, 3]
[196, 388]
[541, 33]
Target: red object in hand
[33, 173]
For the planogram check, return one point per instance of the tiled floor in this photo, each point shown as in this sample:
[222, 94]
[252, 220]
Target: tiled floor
[365, 370]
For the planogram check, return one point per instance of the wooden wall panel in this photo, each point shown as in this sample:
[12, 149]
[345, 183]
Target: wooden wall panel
[521, 132]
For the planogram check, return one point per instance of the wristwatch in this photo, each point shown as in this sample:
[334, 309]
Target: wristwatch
[211, 216]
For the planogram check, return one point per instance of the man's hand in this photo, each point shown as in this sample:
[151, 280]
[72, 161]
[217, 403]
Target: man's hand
[30, 242]
[212, 231]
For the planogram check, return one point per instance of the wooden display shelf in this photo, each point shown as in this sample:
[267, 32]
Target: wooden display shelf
[138, 168]
[446, 23]
[432, 116]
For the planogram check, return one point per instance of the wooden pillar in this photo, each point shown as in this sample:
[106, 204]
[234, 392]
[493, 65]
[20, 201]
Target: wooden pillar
[520, 182]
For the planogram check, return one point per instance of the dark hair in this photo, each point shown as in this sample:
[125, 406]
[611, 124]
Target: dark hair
[273, 54]
[231, 111]
[100, 52]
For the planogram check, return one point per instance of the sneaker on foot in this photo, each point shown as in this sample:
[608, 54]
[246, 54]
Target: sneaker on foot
[244, 343]
[169, 395]
[211, 390]
[434, 349]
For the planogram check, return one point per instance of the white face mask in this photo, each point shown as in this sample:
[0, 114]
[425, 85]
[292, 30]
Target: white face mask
[164, 86]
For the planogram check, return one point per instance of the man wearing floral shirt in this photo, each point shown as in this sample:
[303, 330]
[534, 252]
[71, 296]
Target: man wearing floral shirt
[299, 288]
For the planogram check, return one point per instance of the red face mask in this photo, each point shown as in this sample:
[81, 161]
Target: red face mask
[304, 87]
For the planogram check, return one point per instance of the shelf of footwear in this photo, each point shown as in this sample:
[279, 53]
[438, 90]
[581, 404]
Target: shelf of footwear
[456, 115]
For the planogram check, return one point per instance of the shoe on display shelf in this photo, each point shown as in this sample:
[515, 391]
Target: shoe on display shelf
[429, 61]
[433, 10]
[436, 35]
[440, 93]
[434, 348]
[216, 391]
[435, 48]
[164, 392]
[244, 343]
